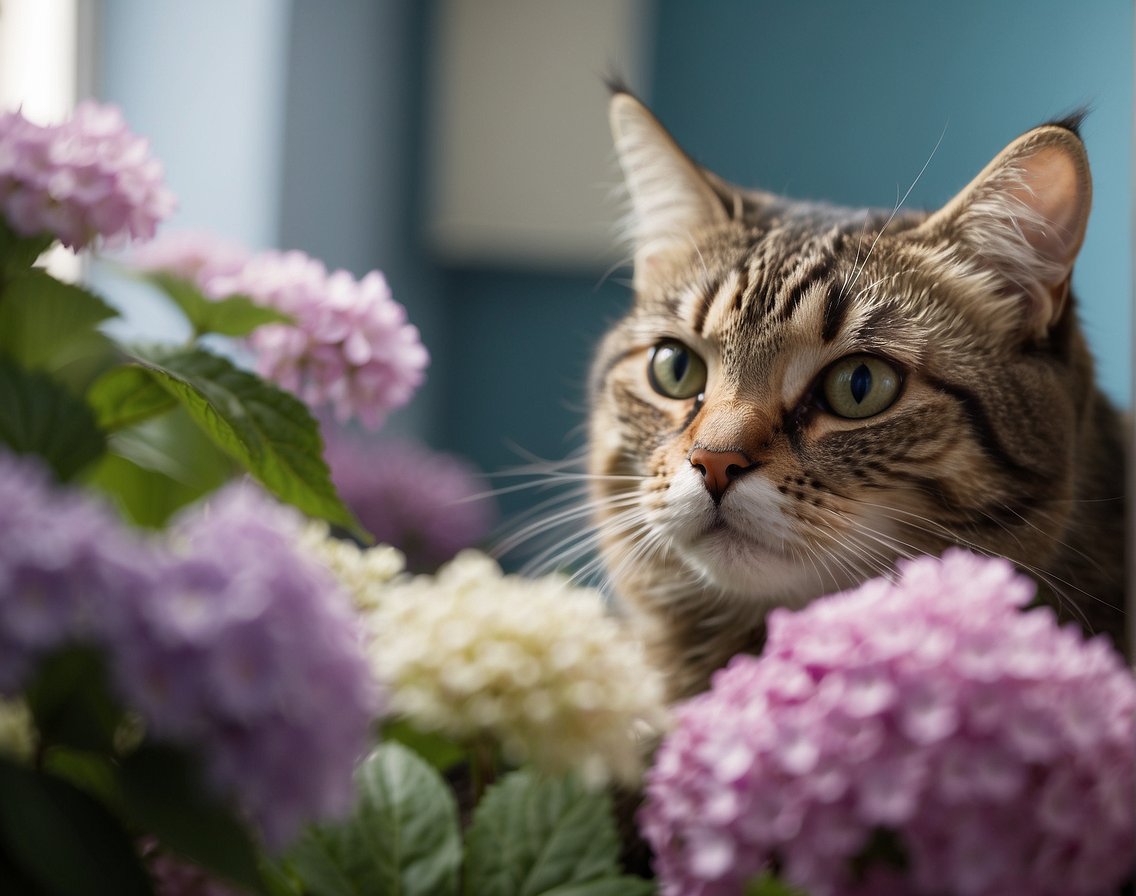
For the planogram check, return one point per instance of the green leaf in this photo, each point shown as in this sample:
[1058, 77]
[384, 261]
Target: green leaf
[126, 395]
[768, 884]
[43, 319]
[534, 835]
[402, 838]
[93, 773]
[279, 881]
[39, 416]
[144, 497]
[439, 751]
[624, 885]
[266, 430]
[63, 840]
[154, 469]
[19, 253]
[165, 794]
[71, 703]
[230, 316]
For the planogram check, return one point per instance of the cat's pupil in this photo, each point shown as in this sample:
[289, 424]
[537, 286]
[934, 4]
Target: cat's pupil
[861, 382]
[679, 366]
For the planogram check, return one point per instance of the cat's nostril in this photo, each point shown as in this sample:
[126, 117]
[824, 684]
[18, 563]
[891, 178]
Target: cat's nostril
[719, 469]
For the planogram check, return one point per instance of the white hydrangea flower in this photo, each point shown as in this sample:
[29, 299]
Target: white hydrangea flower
[536, 664]
[363, 572]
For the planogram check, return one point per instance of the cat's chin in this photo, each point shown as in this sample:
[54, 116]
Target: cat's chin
[749, 571]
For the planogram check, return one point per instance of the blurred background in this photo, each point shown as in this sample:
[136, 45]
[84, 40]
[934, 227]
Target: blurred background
[461, 147]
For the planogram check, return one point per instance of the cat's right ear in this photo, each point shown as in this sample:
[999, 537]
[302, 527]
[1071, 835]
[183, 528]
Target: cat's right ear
[671, 197]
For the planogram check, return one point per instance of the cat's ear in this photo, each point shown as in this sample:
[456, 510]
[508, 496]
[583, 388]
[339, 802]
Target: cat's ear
[1023, 218]
[671, 197]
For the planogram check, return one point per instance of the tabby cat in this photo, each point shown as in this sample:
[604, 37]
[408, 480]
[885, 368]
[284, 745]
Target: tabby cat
[802, 394]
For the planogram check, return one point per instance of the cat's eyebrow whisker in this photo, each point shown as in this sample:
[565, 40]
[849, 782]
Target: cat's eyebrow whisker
[895, 211]
[863, 293]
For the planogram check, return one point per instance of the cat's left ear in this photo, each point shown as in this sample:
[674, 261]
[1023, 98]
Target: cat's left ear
[671, 196]
[1023, 219]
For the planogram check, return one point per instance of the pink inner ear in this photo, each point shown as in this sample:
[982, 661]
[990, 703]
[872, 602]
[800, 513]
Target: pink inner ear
[1054, 191]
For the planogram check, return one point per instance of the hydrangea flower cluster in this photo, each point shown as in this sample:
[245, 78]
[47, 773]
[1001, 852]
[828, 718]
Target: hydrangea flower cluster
[534, 664]
[428, 504]
[993, 745]
[350, 347]
[362, 572]
[196, 256]
[64, 561]
[85, 178]
[255, 655]
[231, 641]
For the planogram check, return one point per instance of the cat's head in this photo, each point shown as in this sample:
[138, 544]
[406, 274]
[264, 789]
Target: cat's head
[803, 393]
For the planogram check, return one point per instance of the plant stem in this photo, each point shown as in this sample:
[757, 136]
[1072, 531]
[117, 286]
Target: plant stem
[482, 766]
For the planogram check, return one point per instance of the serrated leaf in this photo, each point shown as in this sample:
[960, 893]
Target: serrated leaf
[532, 835]
[42, 319]
[266, 430]
[40, 416]
[126, 395]
[63, 840]
[144, 497]
[153, 469]
[402, 838]
[231, 316]
[165, 794]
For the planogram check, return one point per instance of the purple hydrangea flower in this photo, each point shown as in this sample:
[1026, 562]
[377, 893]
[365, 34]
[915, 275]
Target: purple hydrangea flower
[995, 746]
[254, 656]
[351, 349]
[233, 642]
[430, 505]
[85, 178]
[65, 568]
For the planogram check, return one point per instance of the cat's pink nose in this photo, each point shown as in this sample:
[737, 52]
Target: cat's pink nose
[719, 469]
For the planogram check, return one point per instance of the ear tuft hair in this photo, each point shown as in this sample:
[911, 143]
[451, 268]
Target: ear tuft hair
[616, 84]
[1072, 120]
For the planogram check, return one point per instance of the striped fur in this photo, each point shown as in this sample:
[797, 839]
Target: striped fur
[998, 441]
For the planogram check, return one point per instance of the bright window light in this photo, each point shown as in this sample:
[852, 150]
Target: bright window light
[39, 74]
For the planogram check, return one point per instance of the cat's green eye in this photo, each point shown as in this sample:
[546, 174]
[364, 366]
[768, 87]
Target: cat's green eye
[675, 371]
[860, 386]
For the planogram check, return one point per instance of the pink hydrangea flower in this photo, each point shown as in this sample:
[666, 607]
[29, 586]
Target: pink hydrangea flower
[196, 256]
[351, 348]
[88, 177]
[994, 747]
